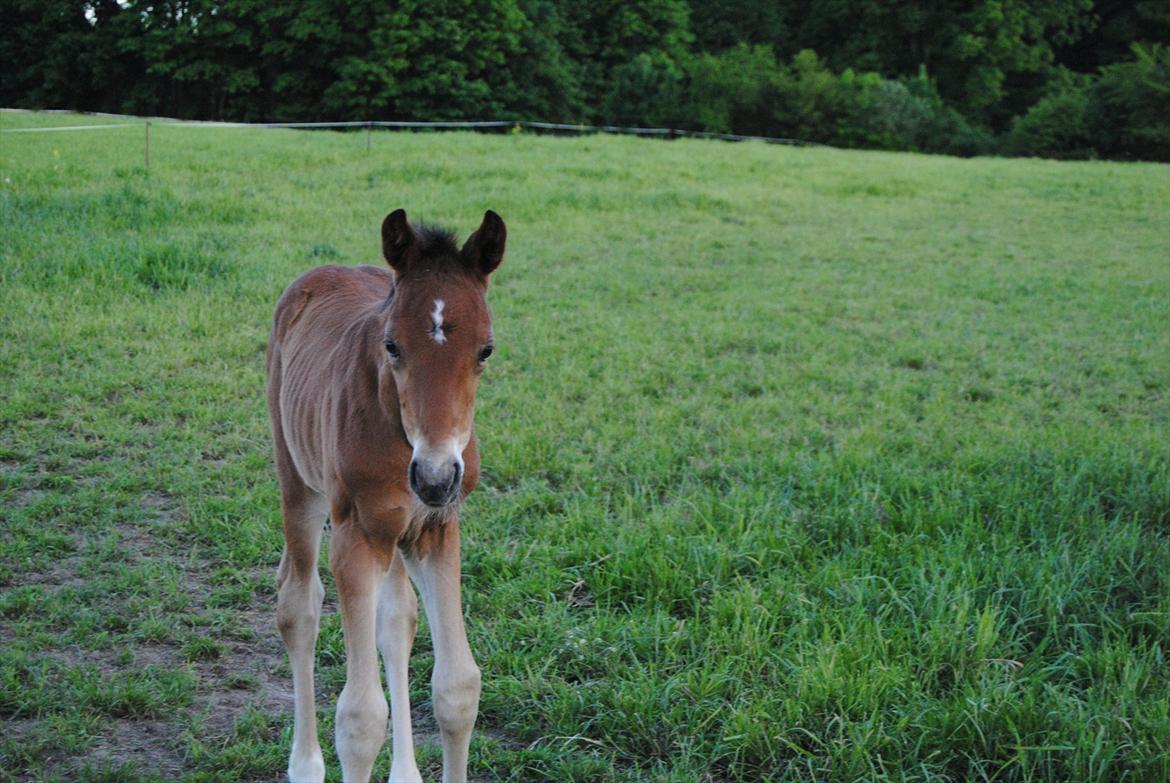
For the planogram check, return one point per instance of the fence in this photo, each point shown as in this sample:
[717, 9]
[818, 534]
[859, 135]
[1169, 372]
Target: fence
[369, 125]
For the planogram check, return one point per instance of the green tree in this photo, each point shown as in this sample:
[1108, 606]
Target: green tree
[644, 91]
[612, 33]
[1056, 126]
[443, 59]
[42, 48]
[991, 58]
[813, 104]
[200, 58]
[1116, 26]
[719, 25]
[732, 91]
[543, 78]
[1127, 106]
[939, 75]
[301, 45]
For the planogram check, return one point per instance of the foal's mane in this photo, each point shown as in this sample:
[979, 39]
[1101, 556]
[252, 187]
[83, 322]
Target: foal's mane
[435, 240]
[437, 247]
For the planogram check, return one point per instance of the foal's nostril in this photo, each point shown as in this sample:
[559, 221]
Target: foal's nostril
[435, 488]
[412, 474]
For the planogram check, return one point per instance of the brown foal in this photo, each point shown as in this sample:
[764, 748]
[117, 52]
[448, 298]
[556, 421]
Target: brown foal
[372, 377]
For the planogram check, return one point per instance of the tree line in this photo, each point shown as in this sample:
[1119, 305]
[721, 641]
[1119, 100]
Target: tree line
[1062, 78]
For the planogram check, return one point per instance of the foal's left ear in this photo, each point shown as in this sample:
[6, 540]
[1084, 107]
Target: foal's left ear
[484, 249]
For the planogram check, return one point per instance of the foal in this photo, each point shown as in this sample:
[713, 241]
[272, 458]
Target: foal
[371, 386]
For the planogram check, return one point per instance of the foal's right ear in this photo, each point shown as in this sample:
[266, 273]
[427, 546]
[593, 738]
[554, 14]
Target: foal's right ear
[397, 237]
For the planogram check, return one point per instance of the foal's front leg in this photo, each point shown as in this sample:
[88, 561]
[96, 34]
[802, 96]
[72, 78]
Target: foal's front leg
[455, 683]
[397, 623]
[358, 567]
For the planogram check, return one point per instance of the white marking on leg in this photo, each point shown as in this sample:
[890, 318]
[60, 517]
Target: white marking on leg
[360, 726]
[397, 621]
[455, 681]
[298, 612]
[437, 329]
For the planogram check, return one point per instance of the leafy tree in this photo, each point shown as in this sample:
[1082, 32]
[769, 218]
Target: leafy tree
[990, 58]
[201, 53]
[814, 104]
[544, 80]
[910, 114]
[446, 59]
[302, 44]
[613, 33]
[644, 92]
[719, 25]
[1127, 106]
[41, 49]
[1056, 126]
[1116, 25]
[733, 91]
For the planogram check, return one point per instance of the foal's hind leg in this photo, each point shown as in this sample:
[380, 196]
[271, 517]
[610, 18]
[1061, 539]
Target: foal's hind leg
[298, 614]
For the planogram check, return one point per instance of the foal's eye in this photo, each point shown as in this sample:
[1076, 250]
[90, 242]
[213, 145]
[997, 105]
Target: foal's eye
[486, 352]
[392, 350]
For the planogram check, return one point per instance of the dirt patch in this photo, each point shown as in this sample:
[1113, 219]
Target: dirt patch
[423, 725]
[113, 659]
[26, 497]
[250, 674]
[62, 573]
[149, 744]
[159, 508]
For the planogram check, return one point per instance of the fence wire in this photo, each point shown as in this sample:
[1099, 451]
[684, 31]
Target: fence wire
[520, 125]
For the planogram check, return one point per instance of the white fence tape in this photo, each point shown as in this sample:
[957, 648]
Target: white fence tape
[72, 128]
[164, 122]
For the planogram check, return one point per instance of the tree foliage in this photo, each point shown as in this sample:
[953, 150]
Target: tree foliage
[1061, 77]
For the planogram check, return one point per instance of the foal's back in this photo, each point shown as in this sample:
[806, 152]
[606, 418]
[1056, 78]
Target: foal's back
[319, 360]
[317, 308]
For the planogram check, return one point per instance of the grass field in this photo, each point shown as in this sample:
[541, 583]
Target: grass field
[800, 464]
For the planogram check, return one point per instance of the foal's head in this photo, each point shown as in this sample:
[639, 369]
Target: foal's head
[438, 336]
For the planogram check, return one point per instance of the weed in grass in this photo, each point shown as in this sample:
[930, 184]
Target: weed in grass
[200, 648]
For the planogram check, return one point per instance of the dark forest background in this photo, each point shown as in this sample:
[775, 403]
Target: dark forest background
[1062, 78]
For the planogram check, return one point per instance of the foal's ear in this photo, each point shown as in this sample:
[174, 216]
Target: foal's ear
[397, 237]
[484, 249]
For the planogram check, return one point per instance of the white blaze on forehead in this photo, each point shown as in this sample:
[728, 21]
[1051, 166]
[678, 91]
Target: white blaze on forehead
[437, 328]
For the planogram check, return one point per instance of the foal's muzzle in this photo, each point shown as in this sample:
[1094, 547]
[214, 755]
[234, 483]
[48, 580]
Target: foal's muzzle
[435, 485]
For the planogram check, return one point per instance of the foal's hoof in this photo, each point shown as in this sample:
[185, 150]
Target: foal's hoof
[309, 769]
[407, 773]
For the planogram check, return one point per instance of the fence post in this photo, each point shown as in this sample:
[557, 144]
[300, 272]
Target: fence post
[148, 145]
[369, 125]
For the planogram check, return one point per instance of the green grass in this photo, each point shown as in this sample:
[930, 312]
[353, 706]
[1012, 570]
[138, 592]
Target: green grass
[800, 464]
